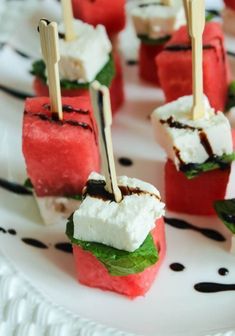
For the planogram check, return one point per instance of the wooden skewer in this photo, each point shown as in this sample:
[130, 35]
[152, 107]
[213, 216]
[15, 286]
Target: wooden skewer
[167, 2]
[197, 24]
[50, 51]
[187, 14]
[68, 20]
[102, 109]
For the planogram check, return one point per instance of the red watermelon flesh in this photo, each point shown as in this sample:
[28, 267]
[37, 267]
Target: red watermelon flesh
[91, 272]
[117, 95]
[175, 66]
[41, 90]
[59, 155]
[230, 3]
[109, 13]
[194, 196]
[147, 64]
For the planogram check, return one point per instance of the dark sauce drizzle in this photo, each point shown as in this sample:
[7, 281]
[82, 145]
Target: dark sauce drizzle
[131, 62]
[212, 287]
[68, 109]
[14, 187]
[96, 188]
[176, 124]
[34, 242]
[150, 4]
[2, 230]
[12, 232]
[54, 119]
[64, 247]
[183, 225]
[15, 93]
[185, 47]
[177, 267]
[205, 143]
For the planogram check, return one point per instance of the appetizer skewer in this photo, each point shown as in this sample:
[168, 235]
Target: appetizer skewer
[118, 218]
[60, 151]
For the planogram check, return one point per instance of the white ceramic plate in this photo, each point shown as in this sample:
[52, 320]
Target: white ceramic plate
[172, 306]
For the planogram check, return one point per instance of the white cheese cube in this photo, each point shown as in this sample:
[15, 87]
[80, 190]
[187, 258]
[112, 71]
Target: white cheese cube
[56, 210]
[123, 225]
[191, 141]
[154, 20]
[84, 57]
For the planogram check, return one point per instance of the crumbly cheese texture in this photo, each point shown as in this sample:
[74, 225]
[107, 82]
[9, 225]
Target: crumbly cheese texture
[84, 57]
[154, 20]
[56, 210]
[186, 140]
[123, 225]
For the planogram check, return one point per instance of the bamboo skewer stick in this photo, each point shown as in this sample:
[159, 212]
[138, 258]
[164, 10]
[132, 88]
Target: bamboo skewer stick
[197, 24]
[187, 13]
[167, 2]
[68, 20]
[50, 51]
[102, 109]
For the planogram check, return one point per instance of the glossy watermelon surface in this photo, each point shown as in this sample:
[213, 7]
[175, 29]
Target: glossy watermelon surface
[59, 155]
[110, 13]
[194, 196]
[175, 66]
[91, 272]
[147, 64]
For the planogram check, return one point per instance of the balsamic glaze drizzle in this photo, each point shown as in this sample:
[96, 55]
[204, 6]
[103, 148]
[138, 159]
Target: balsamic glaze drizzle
[64, 247]
[131, 62]
[54, 119]
[96, 188]
[177, 124]
[68, 109]
[34, 242]
[151, 4]
[14, 187]
[2, 230]
[185, 47]
[223, 271]
[212, 287]
[183, 225]
[12, 232]
[15, 93]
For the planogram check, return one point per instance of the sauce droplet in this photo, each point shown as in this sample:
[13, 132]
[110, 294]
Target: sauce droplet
[34, 242]
[223, 271]
[12, 232]
[125, 161]
[177, 267]
[64, 247]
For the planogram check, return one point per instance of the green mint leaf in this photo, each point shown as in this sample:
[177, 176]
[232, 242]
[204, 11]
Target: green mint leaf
[226, 212]
[117, 262]
[105, 76]
[231, 96]
[216, 162]
[147, 40]
[77, 197]
[28, 184]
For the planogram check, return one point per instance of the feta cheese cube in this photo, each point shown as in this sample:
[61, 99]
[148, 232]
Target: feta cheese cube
[191, 141]
[56, 210]
[123, 225]
[83, 58]
[154, 20]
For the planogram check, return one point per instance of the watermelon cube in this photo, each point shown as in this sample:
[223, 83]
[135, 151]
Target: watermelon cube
[230, 4]
[91, 272]
[174, 65]
[59, 155]
[147, 64]
[117, 95]
[194, 196]
[109, 13]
